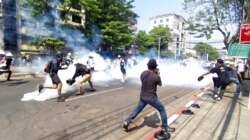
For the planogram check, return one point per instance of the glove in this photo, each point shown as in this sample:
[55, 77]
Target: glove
[70, 82]
[200, 78]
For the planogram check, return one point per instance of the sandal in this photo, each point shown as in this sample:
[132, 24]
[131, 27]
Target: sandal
[187, 112]
[195, 106]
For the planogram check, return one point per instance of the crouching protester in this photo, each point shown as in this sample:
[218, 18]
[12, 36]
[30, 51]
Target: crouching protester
[81, 70]
[150, 79]
[223, 79]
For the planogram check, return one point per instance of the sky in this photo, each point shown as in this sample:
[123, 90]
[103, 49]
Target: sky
[150, 8]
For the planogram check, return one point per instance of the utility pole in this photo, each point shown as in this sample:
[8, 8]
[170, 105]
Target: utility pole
[159, 47]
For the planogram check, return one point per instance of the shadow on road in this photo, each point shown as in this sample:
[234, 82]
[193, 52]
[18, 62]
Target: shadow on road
[14, 82]
[150, 121]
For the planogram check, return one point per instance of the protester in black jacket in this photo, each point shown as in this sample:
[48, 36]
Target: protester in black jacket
[223, 78]
[55, 65]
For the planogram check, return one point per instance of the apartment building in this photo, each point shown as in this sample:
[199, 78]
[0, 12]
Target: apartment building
[69, 16]
[177, 25]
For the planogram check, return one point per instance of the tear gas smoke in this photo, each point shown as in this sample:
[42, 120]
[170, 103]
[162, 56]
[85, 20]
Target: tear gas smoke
[106, 71]
[171, 74]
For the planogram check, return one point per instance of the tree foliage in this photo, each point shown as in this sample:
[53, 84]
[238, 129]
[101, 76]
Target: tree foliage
[38, 7]
[150, 41]
[143, 41]
[162, 33]
[213, 15]
[204, 49]
[110, 19]
[50, 43]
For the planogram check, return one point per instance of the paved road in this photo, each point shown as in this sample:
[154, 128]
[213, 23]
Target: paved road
[97, 115]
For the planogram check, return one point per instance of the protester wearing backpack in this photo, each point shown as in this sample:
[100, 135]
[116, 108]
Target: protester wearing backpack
[52, 68]
[81, 70]
[223, 79]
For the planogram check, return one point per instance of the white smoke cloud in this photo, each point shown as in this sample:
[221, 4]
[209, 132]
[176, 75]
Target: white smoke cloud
[171, 73]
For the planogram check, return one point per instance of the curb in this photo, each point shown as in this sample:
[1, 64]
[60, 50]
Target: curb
[23, 75]
[178, 113]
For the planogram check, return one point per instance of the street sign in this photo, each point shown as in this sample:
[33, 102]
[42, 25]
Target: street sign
[245, 33]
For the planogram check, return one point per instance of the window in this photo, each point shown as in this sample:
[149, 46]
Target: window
[76, 19]
[167, 19]
[77, 7]
[161, 21]
[155, 22]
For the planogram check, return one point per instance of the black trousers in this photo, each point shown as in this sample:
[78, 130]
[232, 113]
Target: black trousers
[6, 71]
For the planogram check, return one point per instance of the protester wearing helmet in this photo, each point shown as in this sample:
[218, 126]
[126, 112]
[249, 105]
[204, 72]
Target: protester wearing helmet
[55, 65]
[6, 64]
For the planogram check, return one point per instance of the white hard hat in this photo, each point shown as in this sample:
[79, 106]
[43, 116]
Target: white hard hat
[119, 56]
[9, 54]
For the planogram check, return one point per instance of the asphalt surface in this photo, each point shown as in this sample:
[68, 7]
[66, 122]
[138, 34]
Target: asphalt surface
[95, 115]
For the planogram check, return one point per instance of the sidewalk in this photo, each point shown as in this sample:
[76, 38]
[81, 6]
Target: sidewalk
[228, 119]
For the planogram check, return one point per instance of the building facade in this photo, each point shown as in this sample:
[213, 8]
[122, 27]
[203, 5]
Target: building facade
[60, 16]
[1, 26]
[10, 32]
[178, 26]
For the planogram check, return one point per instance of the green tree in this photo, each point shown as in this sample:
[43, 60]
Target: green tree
[162, 33]
[112, 18]
[50, 43]
[167, 53]
[204, 49]
[213, 15]
[143, 41]
[38, 7]
[115, 22]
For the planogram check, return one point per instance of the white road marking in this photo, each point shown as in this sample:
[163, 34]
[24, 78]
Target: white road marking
[83, 96]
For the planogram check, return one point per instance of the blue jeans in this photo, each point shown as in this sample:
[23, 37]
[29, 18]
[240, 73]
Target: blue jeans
[154, 102]
[236, 81]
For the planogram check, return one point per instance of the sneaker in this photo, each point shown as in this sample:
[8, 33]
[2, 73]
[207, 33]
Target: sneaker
[162, 135]
[215, 96]
[125, 125]
[40, 87]
[60, 99]
[93, 90]
[218, 98]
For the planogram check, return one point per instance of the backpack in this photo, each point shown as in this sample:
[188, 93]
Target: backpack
[47, 67]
